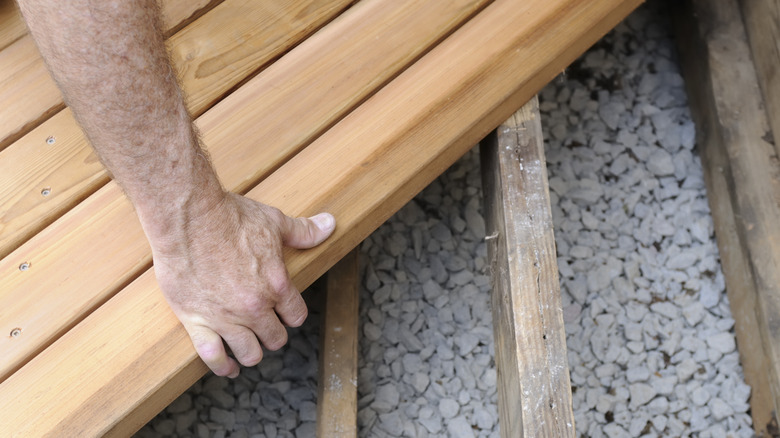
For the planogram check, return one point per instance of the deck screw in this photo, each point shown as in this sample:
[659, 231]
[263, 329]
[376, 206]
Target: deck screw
[50, 140]
[46, 191]
[15, 333]
[24, 266]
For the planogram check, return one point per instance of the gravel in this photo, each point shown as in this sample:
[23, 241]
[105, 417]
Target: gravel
[650, 336]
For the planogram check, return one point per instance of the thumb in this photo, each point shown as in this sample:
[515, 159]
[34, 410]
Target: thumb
[303, 233]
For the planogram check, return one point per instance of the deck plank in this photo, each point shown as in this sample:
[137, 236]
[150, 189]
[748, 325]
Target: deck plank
[211, 59]
[25, 81]
[286, 106]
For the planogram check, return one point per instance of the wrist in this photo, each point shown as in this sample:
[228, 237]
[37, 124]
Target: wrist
[169, 214]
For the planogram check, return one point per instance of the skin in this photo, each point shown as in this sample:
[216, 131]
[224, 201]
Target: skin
[217, 255]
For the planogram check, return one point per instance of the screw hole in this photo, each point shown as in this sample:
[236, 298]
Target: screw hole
[46, 191]
[50, 140]
[24, 266]
[15, 333]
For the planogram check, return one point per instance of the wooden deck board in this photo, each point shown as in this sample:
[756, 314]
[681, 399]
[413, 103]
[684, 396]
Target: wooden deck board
[210, 65]
[743, 181]
[534, 391]
[25, 81]
[362, 170]
[307, 83]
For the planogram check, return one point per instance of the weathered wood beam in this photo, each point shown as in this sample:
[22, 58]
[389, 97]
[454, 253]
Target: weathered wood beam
[211, 59]
[741, 169]
[762, 22]
[362, 170]
[534, 391]
[337, 385]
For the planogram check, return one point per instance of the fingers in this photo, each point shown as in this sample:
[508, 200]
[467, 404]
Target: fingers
[289, 304]
[303, 233]
[244, 345]
[210, 348]
[271, 332]
[292, 309]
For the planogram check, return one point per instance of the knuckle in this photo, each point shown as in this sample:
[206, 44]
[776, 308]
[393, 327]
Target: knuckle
[278, 282]
[254, 305]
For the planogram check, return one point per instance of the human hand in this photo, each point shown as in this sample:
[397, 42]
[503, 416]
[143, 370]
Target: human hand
[225, 278]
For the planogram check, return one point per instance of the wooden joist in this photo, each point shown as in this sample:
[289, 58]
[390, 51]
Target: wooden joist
[211, 61]
[338, 372]
[534, 391]
[362, 169]
[287, 106]
[742, 172]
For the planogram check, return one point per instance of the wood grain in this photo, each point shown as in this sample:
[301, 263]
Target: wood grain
[741, 171]
[211, 59]
[176, 14]
[337, 382]
[27, 86]
[362, 170]
[762, 22]
[369, 44]
[12, 26]
[534, 391]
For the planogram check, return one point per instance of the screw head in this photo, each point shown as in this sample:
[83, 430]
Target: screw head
[24, 266]
[15, 333]
[46, 191]
[50, 140]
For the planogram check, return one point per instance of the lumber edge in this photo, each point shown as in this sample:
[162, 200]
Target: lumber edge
[534, 389]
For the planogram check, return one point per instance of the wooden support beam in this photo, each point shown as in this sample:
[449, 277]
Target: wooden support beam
[362, 170]
[26, 83]
[762, 22]
[211, 59]
[534, 391]
[287, 106]
[742, 170]
[337, 386]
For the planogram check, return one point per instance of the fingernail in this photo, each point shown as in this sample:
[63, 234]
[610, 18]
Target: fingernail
[324, 221]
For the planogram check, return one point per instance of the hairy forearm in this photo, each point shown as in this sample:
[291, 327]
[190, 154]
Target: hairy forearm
[110, 61]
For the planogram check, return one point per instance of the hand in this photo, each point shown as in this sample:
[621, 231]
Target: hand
[226, 279]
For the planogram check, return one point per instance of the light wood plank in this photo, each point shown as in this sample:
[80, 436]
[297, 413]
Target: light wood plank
[26, 86]
[12, 26]
[211, 58]
[288, 105]
[361, 170]
[178, 14]
[337, 383]
[762, 22]
[534, 391]
[741, 169]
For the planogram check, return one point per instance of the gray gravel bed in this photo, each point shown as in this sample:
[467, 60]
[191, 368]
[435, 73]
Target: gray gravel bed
[649, 333]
